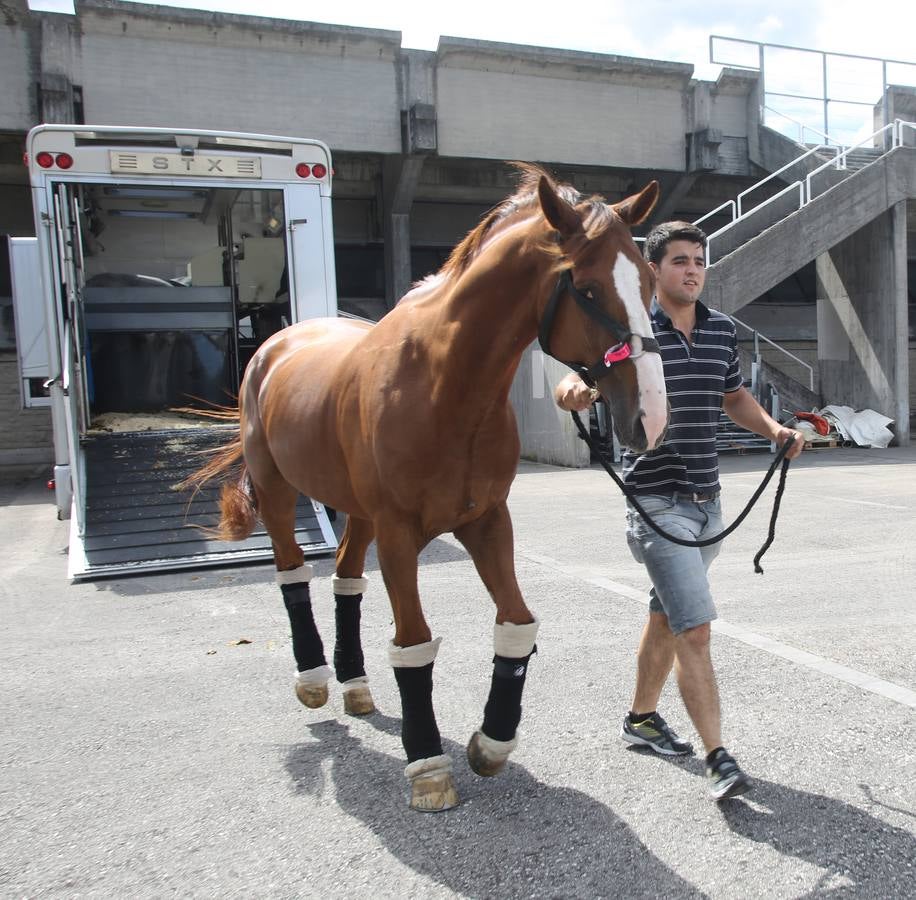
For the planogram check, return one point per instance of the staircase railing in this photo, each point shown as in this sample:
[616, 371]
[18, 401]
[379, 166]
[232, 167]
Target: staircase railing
[802, 128]
[762, 337]
[820, 148]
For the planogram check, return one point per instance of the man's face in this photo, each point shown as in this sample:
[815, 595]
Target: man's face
[680, 276]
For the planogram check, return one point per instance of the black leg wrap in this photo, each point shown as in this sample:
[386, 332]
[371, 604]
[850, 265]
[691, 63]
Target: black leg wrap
[307, 647]
[419, 732]
[503, 711]
[348, 649]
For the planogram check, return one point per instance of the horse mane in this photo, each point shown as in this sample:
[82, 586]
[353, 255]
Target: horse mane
[599, 217]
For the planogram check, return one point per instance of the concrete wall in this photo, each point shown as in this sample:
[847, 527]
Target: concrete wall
[264, 76]
[25, 435]
[17, 73]
[139, 65]
[506, 102]
[548, 434]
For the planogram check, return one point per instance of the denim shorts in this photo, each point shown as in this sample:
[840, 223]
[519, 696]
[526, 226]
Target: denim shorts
[680, 587]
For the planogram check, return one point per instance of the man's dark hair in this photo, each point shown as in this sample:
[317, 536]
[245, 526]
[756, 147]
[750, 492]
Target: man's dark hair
[662, 235]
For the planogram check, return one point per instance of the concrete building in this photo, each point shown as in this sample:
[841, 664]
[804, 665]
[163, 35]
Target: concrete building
[421, 142]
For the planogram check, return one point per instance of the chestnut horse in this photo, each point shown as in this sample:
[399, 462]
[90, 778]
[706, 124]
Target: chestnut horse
[406, 426]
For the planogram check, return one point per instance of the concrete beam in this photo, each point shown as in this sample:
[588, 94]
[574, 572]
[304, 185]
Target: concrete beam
[862, 320]
[400, 176]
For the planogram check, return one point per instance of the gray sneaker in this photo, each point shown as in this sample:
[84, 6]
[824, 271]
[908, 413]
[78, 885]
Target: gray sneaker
[725, 777]
[655, 733]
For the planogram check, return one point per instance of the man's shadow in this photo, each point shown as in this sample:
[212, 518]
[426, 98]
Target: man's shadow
[863, 855]
[510, 837]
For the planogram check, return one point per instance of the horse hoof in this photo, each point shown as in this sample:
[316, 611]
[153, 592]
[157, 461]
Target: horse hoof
[434, 793]
[314, 696]
[487, 757]
[431, 785]
[358, 701]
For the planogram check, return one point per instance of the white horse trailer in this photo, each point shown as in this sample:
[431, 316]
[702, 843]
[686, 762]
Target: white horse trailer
[165, 257]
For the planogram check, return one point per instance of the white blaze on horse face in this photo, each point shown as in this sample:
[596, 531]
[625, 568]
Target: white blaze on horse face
[650, 374]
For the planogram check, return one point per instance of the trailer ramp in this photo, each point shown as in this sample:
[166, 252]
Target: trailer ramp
[138, 522]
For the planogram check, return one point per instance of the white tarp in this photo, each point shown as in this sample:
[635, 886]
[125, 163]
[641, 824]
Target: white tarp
[863, 427]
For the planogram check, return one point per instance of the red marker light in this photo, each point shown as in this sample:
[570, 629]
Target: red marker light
[303, 170]
[44, 159]
[64, 160]
[319, 171]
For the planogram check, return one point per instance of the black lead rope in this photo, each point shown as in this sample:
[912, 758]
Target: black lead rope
[780, 457]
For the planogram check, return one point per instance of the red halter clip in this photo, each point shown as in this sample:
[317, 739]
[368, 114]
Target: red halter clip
[617, 354]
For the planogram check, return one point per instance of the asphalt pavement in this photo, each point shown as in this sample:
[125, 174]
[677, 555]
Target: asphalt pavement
[152, 745]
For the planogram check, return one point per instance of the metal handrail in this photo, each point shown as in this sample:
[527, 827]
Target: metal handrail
[778, 172]
[709, 215]
[802, 127]
[840, 162]
[759, 336]
[796, 185]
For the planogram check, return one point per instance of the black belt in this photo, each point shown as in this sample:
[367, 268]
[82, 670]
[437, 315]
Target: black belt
[698, 497]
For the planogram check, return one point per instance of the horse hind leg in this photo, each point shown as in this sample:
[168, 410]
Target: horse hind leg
[349, 585]
[277, 506]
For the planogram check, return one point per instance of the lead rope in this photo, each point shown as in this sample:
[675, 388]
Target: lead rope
[780, 457]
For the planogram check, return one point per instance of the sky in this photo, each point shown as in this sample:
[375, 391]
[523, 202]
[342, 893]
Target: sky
[648, 29]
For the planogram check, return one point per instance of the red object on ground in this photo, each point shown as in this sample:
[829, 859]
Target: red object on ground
[821, 425]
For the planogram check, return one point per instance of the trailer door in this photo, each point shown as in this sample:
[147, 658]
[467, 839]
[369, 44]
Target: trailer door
[312, 295]
[29, 315]
[74, 368]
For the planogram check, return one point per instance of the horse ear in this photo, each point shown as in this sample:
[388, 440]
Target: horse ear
[556, 210]
[636, 209]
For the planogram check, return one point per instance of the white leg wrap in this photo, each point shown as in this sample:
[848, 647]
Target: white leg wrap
[515, 641]
[296, 576]
[314, 677]
[353, 684]
[413, 657]
[431, 766]
[349, 587]
[496, 750]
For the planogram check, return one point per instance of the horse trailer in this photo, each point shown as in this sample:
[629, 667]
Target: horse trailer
[163, 258]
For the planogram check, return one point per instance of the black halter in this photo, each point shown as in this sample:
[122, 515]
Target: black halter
[624, 349]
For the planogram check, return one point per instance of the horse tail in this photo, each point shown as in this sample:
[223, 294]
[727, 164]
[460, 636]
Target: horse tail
[237, 500]
[238, 509]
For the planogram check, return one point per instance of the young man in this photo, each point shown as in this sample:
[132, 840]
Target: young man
[678, 485]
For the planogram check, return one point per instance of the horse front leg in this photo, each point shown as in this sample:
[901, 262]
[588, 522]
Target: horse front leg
[412, 654]
[489, 541]
[349, 585]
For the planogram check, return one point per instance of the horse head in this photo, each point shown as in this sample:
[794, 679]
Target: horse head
[596, 320]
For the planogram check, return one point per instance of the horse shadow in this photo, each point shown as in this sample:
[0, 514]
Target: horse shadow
[518, 838]
[860, 854]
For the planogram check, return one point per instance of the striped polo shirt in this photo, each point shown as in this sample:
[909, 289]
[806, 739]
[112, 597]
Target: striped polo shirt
[696, 377]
